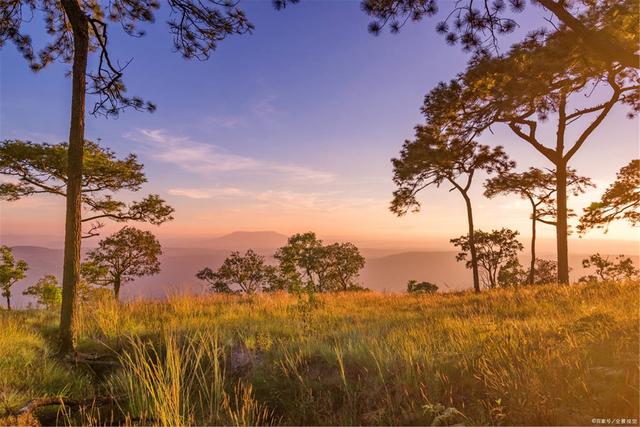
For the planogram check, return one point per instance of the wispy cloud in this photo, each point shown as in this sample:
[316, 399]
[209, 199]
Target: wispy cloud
[263, 198]
[204, 158]
[208, 193]
[330, 200]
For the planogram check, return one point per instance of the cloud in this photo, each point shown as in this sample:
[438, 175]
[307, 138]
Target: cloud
[268, 197]
[204, 158]
[198, 193]
[289, 199]
[330, 200]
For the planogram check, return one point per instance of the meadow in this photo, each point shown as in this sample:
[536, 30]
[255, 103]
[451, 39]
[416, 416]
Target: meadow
[543, 355]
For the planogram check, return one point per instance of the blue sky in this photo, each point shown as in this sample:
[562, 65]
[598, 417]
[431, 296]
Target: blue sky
[290, 128]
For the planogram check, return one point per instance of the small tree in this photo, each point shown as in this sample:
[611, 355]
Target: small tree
[607, 270]
[249, 273]
[415, 287]
[345, 263]
[538, 187]
[494, 251]
[432, 160]
[513, 274]
[42, 168]
[546, 271]
[123, 256]
[303, 264]
[620, 201]
[46, 291]
[10, 272]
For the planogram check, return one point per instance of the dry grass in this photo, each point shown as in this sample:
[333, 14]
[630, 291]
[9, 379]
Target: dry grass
[548, 355]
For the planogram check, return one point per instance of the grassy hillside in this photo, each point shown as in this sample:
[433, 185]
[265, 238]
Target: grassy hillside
[543, 355]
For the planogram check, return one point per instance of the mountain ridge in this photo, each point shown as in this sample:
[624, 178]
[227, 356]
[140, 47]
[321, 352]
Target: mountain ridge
[179, 266]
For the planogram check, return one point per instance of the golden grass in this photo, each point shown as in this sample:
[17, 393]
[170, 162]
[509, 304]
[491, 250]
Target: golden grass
[547, 355]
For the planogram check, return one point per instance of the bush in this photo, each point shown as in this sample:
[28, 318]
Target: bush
[415, 287]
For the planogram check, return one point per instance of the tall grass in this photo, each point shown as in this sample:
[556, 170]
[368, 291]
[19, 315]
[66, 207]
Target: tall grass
[183, 383]
[547, 355]
[27, 366]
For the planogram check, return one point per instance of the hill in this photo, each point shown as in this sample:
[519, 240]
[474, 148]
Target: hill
[243, 240]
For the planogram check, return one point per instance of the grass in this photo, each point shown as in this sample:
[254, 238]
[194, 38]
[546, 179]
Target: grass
[547, 355]
[27, 366]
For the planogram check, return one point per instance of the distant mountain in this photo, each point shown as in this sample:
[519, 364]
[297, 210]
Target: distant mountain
[243, 240]
[388, 273]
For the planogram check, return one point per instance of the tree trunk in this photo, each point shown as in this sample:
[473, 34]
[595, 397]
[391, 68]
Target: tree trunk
[532, 267]
[562, 231]
[116, 288]
[73, 224]
[472, 244]
[8, 303]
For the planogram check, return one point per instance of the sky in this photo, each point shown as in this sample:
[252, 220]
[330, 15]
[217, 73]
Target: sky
[289, 129]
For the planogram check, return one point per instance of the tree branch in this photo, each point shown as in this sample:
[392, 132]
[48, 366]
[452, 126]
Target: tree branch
[531, 139]
[608, 106]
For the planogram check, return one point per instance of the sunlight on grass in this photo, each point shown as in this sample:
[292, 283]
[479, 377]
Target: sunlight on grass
[540, 355]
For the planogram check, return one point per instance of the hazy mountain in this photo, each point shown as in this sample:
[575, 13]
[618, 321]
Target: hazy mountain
[179, 265]
[243, 240]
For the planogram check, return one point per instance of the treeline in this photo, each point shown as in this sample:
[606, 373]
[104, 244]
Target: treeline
[305, 263]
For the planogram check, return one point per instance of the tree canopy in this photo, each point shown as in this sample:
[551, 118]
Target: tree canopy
[494, 250]
[513, 274]
[10, 272]
[415, 287]
[302, 263]
[431, 160]
[197, 28]
[534, 79]
[42, 168]
[608, 31]
[246, 273]
[621, 201]
[121, 257]
[345, 262]
[620, 268]
[46, 291]
[305, 263]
